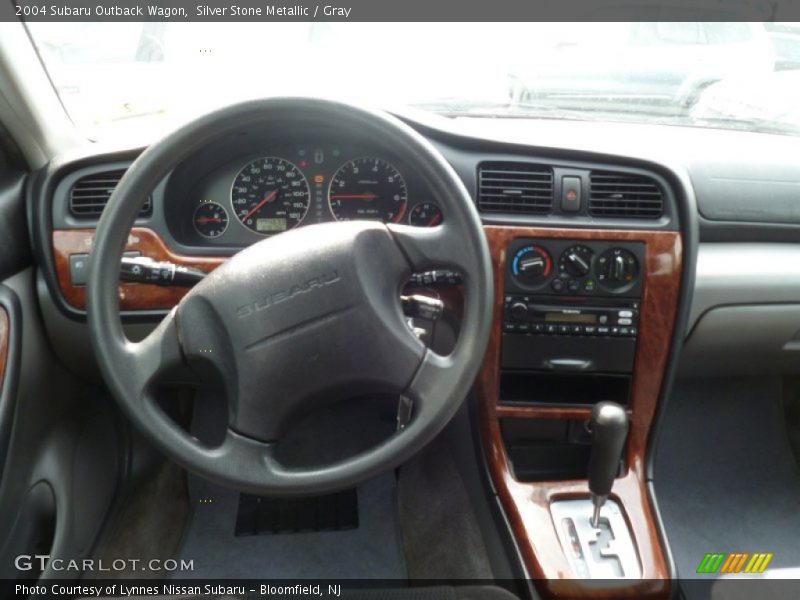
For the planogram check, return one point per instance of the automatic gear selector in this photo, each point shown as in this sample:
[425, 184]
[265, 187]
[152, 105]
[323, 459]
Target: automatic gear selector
[593, 532]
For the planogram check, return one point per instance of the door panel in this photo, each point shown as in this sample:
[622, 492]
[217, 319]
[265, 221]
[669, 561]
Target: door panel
[61, 445]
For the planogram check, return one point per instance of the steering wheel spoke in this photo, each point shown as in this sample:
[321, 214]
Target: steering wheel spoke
[428, 248]
[148, 359]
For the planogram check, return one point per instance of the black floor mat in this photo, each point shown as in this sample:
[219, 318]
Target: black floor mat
[370, 551]
[725, 476]
[258, 515]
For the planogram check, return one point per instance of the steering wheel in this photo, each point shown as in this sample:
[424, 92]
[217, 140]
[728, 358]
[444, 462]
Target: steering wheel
[299, 319]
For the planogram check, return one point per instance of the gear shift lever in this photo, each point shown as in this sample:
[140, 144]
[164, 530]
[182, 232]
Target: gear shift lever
[609, 430]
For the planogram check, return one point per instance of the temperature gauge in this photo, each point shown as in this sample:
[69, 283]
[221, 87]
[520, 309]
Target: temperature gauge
[425, 214]
[210, 219]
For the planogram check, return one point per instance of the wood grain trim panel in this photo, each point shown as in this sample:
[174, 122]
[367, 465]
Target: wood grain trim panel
[5, 335]
[136, 296]
[527, 505]
[133, 296]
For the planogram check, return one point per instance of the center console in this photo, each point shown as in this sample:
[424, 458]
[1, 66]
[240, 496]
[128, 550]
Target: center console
[583, 319]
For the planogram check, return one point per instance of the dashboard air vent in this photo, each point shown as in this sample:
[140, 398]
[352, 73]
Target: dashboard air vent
[515, 187]
[89, 195]
[625, 196]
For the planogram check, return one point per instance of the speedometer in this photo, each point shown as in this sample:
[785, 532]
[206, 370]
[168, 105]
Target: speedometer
[368, 188]
[270, 195]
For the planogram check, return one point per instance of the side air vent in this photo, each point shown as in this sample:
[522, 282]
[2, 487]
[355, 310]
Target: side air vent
[625, 196]
[89, 195]
[515, 187]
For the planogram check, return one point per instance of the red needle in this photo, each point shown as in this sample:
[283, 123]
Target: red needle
[367, 196]
[203, 220]
[269, 198]
[435, 220]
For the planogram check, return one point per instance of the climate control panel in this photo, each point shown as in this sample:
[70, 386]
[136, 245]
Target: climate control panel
[575, 268]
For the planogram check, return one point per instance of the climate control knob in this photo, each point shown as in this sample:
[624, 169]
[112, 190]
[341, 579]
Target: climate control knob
[576, 261]
[531, 265]
[617, 268]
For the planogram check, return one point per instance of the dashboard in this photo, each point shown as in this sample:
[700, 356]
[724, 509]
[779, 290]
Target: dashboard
[254, 183]
[594, 234]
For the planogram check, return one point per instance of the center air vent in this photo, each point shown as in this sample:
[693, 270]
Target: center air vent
[515, 187]
[625, 195]
[89, 195]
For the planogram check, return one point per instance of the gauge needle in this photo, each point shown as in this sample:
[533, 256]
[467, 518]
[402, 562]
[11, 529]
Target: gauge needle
[268, 198]
[435, 220]
[203, 220]
[367, 196]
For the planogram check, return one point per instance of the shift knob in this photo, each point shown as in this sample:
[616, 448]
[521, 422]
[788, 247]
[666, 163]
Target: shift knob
[609, 430]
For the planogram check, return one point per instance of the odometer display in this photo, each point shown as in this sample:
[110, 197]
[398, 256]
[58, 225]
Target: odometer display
[370, 189]
[270, 195]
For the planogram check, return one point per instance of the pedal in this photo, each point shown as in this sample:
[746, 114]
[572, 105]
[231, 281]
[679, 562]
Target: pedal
[258, 515]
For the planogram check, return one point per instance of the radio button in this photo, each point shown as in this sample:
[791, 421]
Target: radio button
[551, 328]
[537, 327]
[623, 331]
[577, 329]
[563, 328]
[590, 329]
[573, 285]
[603, 330]
[624, 321]
[557, 285]
[602, 319]
[625, 313]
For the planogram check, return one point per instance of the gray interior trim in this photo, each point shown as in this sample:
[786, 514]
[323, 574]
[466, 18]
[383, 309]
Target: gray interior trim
[59, 435]
[29, 105]
[732, 274]
[731, 191]
[746, 340]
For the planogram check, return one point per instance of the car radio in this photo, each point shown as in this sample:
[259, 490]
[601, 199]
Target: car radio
[524, 314]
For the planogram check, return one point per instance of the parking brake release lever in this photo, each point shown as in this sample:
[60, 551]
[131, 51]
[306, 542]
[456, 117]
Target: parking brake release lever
[143, 269]
[609, 429]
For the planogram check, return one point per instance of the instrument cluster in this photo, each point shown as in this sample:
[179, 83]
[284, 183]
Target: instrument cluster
[271, 191]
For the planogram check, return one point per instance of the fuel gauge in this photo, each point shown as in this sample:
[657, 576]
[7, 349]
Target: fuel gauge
[425, 214]
[210, 219]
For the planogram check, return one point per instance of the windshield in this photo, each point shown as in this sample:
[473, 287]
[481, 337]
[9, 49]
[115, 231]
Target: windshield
[135, 76]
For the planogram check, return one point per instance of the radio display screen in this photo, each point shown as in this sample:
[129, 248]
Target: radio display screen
[570, 317]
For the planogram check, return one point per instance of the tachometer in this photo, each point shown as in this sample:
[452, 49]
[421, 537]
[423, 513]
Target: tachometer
[368, 188]
[270, 195]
